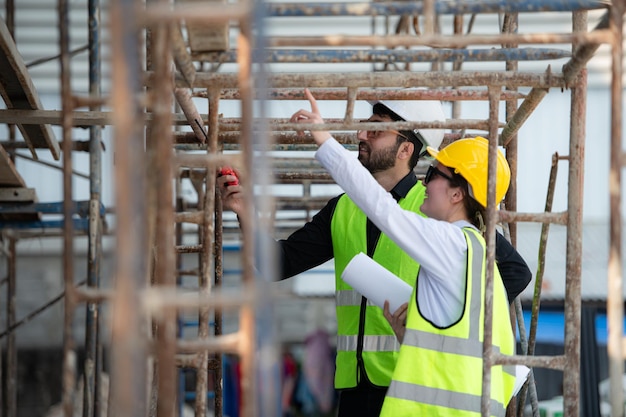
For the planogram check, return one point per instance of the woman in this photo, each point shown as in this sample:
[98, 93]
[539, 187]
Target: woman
[439, 370]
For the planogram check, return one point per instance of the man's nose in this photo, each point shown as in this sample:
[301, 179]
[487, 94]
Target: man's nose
[361, 134]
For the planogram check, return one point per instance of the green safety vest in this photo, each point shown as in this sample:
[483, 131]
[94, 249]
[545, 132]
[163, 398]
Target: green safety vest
[439, 371]
[380, 346]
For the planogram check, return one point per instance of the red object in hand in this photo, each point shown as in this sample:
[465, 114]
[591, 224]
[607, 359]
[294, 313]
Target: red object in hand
[229, 171]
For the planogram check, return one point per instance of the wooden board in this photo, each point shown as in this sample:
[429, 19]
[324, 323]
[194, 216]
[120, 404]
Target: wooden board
[18, 92]
[207, 37]
[9, 177]
[17, 195]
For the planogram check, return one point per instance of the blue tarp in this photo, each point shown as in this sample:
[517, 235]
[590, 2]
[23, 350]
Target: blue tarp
[551, 327]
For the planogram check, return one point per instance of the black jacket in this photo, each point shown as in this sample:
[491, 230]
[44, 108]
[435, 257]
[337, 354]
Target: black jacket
[312, 245]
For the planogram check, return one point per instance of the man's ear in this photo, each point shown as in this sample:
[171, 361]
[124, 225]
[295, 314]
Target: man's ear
[405, 151]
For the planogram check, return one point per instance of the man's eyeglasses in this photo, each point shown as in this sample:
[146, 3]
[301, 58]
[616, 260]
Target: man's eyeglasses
[375, 134]
[432, 172]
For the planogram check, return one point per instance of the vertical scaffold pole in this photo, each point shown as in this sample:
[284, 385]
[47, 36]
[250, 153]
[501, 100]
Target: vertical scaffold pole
[490, 236]
[615, 302]
[159, 147]
[128, 331]
[572, 308]
[93, 349]
[69, 353]
[247, 320]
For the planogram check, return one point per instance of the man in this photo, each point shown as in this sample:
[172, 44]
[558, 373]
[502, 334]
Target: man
[367, 348]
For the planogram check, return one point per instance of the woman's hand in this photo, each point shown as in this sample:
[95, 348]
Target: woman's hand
[397, 320]
[313, 116]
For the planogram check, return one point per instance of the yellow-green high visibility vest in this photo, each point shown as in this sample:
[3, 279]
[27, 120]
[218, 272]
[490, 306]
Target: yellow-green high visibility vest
[380, 347]
[439, 370]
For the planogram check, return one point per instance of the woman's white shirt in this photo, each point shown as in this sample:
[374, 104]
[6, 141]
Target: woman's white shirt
[438, 246]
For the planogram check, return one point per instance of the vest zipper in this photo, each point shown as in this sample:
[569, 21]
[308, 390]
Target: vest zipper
[359, 346]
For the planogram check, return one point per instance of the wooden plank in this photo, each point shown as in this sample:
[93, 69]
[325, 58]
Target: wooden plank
[55, 117]
[9, 177]
[13, 191]
[18, 92]
[20, 217]
[18, 195]
[203, 37]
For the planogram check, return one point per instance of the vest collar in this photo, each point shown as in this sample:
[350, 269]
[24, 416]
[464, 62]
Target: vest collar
[403, 187]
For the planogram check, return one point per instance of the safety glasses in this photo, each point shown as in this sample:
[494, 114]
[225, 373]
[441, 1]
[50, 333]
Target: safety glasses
[432, 172]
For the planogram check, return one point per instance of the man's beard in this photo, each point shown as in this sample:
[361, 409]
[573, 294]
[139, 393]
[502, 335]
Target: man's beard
[380, 160]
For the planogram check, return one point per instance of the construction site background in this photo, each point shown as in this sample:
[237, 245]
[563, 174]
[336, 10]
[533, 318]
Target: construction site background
[41, 263]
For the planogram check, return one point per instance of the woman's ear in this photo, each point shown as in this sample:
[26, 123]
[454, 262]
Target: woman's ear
[457, 194]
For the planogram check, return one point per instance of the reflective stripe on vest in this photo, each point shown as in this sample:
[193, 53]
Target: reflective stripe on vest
[460, 346]
[352, 298]
[445, 344]
[370, 343]
[443, 398]
[348, 298]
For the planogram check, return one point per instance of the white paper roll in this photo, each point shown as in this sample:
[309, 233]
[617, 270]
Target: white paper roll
[376, 283]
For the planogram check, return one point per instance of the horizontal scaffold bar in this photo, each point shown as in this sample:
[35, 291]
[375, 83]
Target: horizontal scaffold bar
[289, 141]
[598, 36]
[233, 124]
[90, 118]
[389, 56]
[441, 7]
[78, 225]
[388, 79]
[339, 93]
[81, 208]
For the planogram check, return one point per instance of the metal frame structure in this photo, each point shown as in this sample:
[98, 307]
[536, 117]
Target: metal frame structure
[146, 304]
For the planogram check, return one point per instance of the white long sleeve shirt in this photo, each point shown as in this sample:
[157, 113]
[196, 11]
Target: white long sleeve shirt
[439, 246]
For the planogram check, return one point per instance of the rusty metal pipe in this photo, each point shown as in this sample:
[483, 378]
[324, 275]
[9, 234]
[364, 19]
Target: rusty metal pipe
[490, 235]
[182, 58]
[573, 262]
[583, 53]
[185, 101]
[556, 218]
[386, 56]
[397, 79]
[543, 239]
[615, 279]
[522, 114]
[372, 94]
[440, 41]
[159, 146]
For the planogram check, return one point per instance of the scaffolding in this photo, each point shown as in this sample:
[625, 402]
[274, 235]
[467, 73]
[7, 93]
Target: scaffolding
[164, 56]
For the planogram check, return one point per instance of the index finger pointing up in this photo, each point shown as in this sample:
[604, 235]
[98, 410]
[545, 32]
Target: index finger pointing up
[312, 100]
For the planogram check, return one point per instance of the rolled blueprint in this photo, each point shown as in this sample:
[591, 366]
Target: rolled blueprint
[376, 283]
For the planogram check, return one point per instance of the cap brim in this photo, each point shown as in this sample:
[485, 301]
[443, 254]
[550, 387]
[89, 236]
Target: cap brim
[432, 151]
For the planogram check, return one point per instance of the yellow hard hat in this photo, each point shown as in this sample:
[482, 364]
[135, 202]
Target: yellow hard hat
[468, 158]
